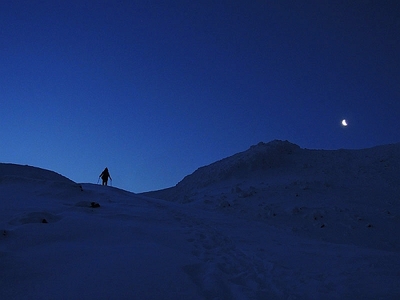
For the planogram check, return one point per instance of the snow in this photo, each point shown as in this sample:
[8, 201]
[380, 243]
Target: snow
[273, 222]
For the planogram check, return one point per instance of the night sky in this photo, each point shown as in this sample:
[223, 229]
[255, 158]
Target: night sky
[155, 89]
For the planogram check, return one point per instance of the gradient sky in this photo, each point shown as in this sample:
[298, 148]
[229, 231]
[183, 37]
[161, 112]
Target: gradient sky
[156, 89]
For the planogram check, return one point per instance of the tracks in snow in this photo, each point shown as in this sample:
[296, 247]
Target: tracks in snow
[224, 271]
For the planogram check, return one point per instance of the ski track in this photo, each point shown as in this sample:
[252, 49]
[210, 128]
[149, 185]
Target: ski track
[234, 264]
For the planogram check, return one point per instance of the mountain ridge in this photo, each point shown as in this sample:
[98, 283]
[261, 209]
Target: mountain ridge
[289, 162]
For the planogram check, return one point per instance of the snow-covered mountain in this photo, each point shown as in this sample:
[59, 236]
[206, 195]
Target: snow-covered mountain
[273, 222]
[284, 163]
[345, 192]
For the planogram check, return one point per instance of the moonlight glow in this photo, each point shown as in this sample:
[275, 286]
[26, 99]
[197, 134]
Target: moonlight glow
[344, 122]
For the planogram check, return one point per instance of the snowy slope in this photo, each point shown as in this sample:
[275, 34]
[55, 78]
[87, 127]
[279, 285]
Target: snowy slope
[273, 222]
[353, 195]
[120, 250]
[281, 162]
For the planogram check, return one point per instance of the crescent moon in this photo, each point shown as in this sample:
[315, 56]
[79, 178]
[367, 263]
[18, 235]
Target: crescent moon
[344, 122]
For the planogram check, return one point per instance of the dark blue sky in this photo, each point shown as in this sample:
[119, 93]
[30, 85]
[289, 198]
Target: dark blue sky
[156, 89]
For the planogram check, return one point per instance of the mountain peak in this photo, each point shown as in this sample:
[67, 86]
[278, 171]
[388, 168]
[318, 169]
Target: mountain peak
[275, 143]
[258, 158]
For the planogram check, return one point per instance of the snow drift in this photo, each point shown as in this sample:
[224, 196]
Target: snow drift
[273, 222]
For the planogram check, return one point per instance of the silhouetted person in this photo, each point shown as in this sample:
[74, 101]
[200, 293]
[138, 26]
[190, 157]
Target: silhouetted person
[104, 176]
